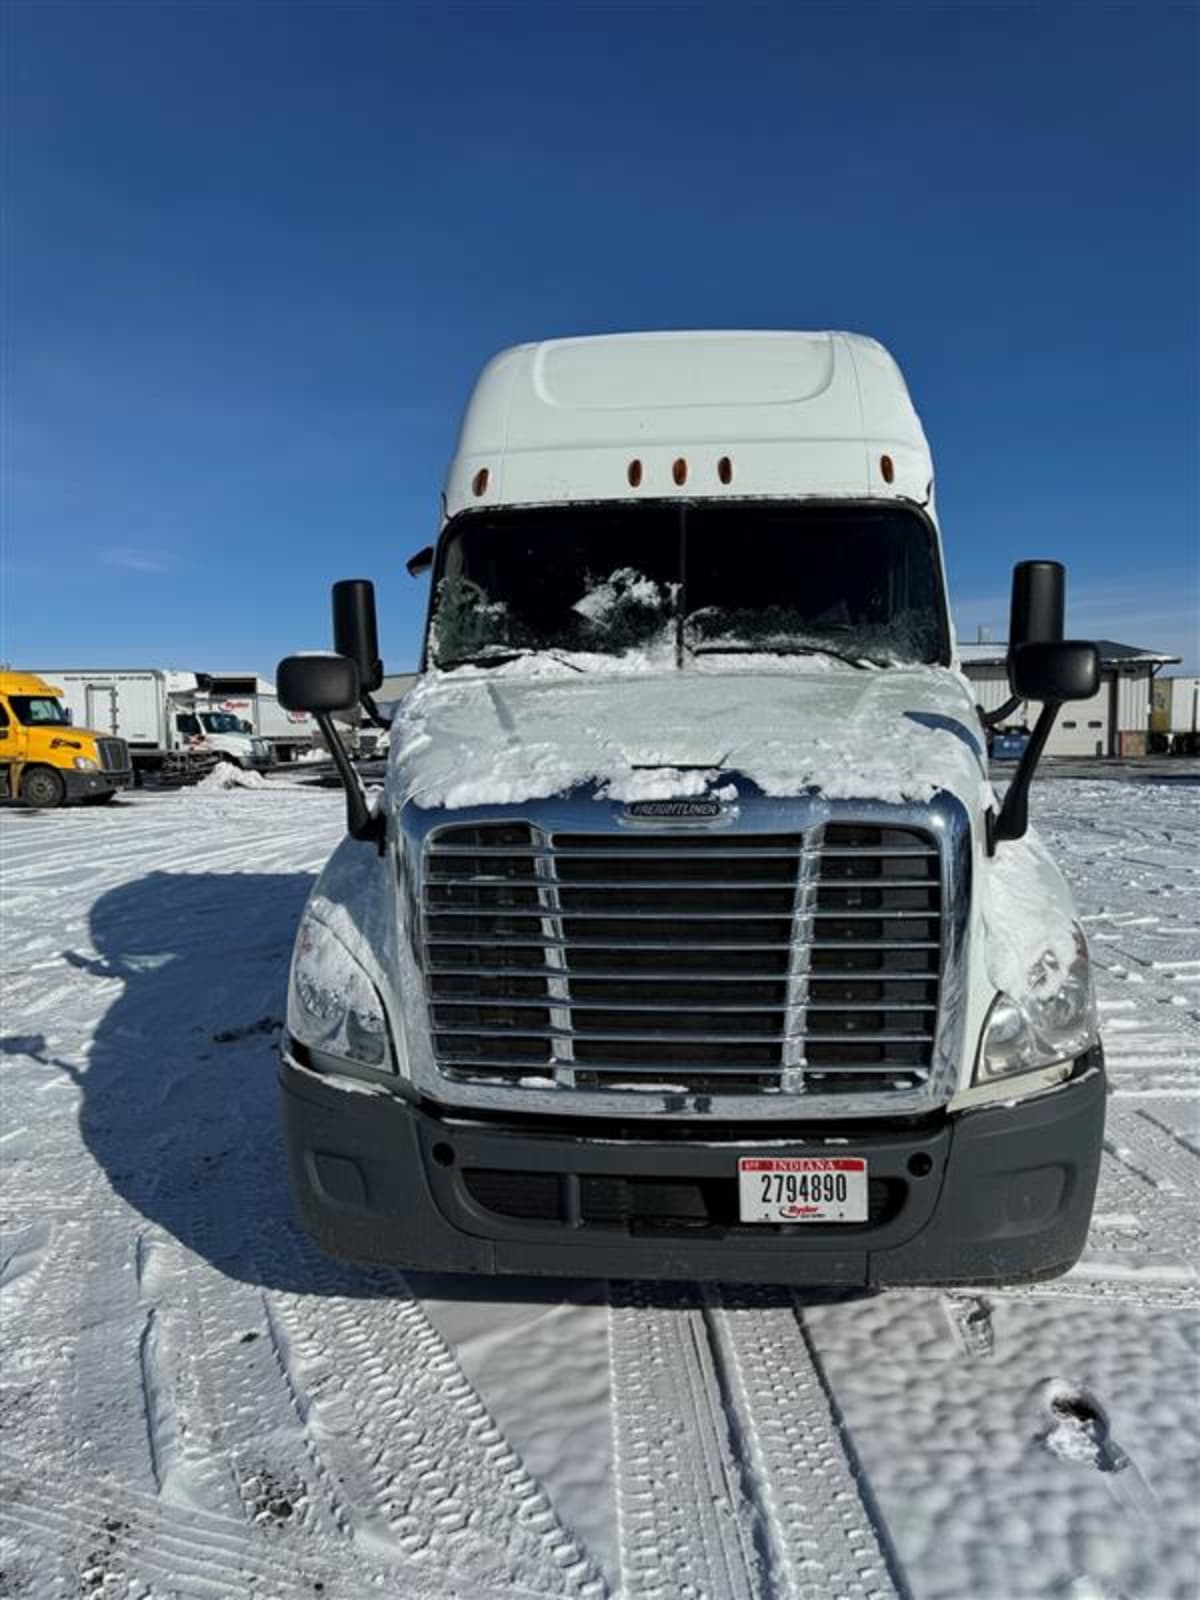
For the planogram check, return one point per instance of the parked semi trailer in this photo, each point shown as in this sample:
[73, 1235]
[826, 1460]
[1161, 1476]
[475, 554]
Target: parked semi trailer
[158, 715]
[689, 939]
[46, 757]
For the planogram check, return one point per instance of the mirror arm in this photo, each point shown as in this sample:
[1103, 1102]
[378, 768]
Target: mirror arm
[992, 719]
[361, 821]
[1014, 813]
[367, 702]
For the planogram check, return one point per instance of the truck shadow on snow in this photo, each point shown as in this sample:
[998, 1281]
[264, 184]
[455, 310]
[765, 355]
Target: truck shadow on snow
[180, 1103]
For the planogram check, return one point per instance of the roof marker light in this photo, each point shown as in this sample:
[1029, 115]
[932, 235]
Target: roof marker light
[634, 474]
[725, 470]
[679, 470]
[888, 468]
[480, 481]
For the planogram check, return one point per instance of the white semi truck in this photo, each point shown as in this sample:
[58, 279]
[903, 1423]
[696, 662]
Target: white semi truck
[160, 716]
[255, 704]
[252, 702]
[689, 938]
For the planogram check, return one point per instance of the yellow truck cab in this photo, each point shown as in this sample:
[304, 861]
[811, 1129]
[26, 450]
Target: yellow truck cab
[43, 759]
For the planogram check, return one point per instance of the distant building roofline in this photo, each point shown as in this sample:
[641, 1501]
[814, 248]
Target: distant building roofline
[1112, 654]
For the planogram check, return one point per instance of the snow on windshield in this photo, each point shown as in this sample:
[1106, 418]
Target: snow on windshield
[466, 623]
[623, 611]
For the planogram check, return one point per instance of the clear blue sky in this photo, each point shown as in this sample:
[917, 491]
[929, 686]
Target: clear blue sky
[256, 253]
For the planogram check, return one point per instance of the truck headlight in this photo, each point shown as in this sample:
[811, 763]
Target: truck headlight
[1054, 1020]
[85, 764]
[332, 1005]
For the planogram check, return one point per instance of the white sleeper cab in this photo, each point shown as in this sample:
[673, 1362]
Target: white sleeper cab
[689, 938]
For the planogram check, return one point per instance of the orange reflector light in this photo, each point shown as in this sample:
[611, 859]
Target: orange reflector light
[634, 474]
[480, 481]
[888, 467]
[679, 470]
[725, 470]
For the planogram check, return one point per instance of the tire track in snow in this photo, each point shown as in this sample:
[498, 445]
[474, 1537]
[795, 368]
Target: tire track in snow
[93, 1537]
[825, 1536]
[1170, 1157]
[427, 1470]
[684, 1523]
[257, 1455]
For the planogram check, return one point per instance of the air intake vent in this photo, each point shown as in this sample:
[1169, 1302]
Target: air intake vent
[707, 963]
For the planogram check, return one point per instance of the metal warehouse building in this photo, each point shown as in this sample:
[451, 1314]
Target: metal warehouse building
[1114, 722]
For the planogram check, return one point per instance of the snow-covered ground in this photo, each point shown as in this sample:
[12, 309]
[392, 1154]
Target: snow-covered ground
[194, 1402]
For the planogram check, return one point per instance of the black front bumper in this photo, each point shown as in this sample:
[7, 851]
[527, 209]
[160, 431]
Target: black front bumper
[995, 1194]
[86, 785]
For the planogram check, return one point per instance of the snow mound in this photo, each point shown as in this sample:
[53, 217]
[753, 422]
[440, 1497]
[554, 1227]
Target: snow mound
[226, 776]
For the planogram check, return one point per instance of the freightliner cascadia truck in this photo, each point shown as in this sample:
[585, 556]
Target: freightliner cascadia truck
[688, 937]
[46, 758]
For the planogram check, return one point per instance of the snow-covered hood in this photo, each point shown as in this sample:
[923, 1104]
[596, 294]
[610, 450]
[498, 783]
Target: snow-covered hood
[467, 739]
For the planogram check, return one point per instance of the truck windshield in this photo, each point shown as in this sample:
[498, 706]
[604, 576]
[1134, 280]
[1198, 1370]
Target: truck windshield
[590, 579]
[39, 711]
[221, 722]
[849, 581]
[860, 583]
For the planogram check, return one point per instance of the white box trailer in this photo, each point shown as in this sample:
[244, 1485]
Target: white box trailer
[156, 712]
[253, 701]
[1175, 715]
[137, 704]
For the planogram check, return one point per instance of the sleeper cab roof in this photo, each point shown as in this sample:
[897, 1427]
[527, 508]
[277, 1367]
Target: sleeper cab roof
[747, 413]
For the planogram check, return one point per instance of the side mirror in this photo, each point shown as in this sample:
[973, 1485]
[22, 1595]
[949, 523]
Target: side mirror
[318, 683]
[354, 631]
[1035, 617]
[421, 562]
[1038, 603]
[324, 684]
[1053, 673]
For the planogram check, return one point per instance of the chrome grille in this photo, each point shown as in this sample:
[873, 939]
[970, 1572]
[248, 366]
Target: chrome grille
[707, 963]
[114, 755]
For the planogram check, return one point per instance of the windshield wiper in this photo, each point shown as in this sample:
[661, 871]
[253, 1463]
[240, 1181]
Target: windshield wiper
[498, 656]
[863, 663]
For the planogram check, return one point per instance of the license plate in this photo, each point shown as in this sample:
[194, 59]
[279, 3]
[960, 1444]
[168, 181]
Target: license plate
[802, 1189]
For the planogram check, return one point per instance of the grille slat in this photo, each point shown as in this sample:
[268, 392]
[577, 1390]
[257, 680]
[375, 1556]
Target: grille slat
[590, 960]
[679, 1072]
[689, 1008]
[114, 755]
[601, 975]
[684, 853]
[683, 1035]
